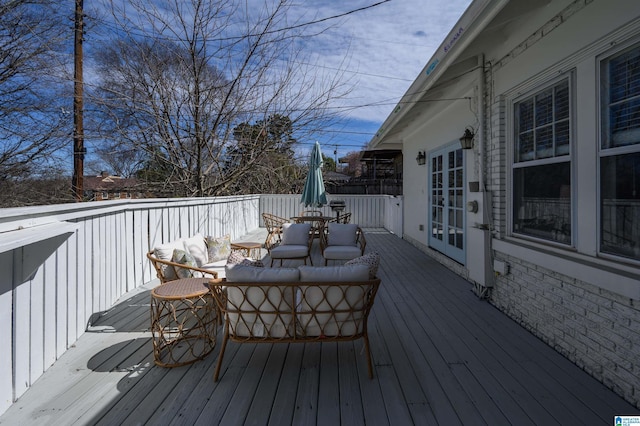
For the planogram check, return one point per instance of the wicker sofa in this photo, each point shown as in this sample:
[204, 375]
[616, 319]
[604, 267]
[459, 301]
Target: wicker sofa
[196, 256]
[305, 304]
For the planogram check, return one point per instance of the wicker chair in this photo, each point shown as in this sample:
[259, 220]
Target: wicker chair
[273, 224]
[341, 241]
[344, 218]
[295, 243]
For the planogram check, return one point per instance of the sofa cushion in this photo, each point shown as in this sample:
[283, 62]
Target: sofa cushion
[197, 247]
[219, 248]
[296, 233]
[342, 234]
[183, 257]
[250, 274]
[334, 273]
[372, 260]
[165, 252]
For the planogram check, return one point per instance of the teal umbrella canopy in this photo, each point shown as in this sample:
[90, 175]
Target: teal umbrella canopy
[313, 193]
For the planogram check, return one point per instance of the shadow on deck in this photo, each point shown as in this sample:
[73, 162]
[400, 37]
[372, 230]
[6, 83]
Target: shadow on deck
[441, 356]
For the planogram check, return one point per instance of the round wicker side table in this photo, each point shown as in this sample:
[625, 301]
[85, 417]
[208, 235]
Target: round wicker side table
[183, 322]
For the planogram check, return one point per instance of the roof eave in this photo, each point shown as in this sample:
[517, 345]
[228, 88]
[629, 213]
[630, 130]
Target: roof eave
[467, 28]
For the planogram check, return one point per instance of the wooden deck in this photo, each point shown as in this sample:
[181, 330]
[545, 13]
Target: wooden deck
[441, 357]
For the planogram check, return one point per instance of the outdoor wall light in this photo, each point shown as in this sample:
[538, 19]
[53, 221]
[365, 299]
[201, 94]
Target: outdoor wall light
[467, 139]
[421, 158]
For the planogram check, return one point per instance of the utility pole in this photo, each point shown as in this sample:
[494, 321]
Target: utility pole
[78, 126]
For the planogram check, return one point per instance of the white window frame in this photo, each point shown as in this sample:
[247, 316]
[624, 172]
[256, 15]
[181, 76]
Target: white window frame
[512, 164]
[602, 151]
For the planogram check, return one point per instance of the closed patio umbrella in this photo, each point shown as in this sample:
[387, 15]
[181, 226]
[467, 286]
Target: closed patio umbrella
[313, 193]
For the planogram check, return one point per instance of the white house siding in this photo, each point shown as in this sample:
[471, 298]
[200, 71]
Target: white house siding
[585, 305]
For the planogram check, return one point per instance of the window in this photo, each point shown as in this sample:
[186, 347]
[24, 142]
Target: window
[105, 195]
[620, 154]
[542, 167]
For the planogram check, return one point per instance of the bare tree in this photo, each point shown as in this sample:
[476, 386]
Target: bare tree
[33, 112]
[182, 76]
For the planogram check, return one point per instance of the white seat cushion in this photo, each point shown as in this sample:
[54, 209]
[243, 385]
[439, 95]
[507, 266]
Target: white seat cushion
[341, 252]
[289, 251]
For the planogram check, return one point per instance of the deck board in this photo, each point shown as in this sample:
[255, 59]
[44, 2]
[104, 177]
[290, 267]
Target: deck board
[440, 355]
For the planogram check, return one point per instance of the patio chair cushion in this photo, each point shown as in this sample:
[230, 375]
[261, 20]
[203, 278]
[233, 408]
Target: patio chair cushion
[372, 260]
[334, 273]
[247, 274]
[295, 233]
[341, 252]
[342, 234]
[290, 251]
[197, 247]
[183, 257]
[218, 248]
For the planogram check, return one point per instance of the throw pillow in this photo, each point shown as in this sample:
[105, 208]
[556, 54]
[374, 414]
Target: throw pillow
[236, 258]
[372, 260]
[219, 248]
[197, 248]
[184, 258]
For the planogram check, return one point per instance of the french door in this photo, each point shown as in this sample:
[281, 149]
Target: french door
[446, 204]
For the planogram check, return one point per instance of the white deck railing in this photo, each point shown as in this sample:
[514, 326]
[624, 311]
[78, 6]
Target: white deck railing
[63, 264]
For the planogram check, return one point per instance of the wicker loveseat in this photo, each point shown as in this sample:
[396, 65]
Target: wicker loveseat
[305, 304]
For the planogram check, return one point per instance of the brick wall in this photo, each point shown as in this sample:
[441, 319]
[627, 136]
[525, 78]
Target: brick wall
[596, 329]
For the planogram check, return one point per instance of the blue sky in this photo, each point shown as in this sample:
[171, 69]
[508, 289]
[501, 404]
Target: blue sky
[380, 49]
[383, 49]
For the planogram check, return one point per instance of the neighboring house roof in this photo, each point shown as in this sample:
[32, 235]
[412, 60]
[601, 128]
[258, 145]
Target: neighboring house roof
[108, 183]
[335, 177]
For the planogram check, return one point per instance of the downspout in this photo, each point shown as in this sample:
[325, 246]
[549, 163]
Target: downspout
[481, 115]
[483, 291]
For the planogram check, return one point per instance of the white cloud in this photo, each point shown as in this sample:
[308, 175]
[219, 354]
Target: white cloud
[385, 47]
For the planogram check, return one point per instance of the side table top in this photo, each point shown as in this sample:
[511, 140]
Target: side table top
[247, 244]
[182, 289]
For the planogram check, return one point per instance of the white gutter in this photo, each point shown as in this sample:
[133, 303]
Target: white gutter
[477, 16]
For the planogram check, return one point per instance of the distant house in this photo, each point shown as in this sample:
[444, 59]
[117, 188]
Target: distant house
[109, 187]
[542, 211]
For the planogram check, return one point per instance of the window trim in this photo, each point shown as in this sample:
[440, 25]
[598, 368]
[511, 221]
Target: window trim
[604, 152]
[512, 165]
